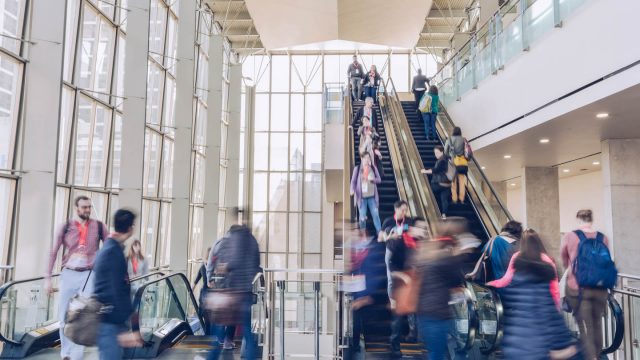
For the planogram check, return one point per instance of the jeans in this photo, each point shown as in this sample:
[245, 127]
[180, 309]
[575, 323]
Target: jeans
[434, 333]
[370, 91]
[459, 188]
[589, 318]
[356, 88]
[370, 203]
[443, 192]
[108, 346]
[71, 283]
[429, 125]
[249, 341]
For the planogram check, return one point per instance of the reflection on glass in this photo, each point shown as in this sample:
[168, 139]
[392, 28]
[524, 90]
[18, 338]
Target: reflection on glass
[155, 87]
[259, 223]
[172, 45]
[296, 152]
[157, 28]
[277, 232]
[295, 192]
[312, 191]
[278, 191]
[295, 231]
[279, 150]
[260, 192]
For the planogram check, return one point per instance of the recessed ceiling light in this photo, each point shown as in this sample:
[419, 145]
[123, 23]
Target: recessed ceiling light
[483, 168]
[566, 170]
[507, 156]
[596, 163]
[602, 115]
[544, 141]
[513, 184]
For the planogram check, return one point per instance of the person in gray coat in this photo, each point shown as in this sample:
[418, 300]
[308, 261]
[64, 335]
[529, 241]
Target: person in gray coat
[355, 72]
[456, 149]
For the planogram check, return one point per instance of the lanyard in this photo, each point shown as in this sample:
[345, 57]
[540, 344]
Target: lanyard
[82, 233]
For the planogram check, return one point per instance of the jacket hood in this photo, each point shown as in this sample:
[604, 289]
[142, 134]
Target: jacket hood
[235, 229]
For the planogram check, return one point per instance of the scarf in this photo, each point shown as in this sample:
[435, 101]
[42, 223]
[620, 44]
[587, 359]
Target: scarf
[409, 241]
[134, 264]
[83, 230]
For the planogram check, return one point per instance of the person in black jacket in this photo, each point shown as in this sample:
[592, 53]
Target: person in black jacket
[440, 273]
[440, 184]
[113, 291]
[400, 249]
[419, 85]
[368, 111]
[202, 276]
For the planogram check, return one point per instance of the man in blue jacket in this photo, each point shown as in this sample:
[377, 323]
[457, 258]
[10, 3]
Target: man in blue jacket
[113, 291]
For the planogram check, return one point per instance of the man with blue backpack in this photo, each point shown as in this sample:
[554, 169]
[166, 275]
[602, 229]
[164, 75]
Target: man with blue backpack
[591, 274]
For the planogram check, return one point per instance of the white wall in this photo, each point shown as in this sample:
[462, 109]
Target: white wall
[576, 192]
[594, 41]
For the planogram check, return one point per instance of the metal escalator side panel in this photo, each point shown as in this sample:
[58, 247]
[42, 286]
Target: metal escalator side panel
[618, 322]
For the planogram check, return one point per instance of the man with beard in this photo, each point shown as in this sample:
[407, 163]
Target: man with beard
[80, 239]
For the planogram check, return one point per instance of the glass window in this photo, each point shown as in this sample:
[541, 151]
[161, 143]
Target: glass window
[167, 168]
[277, 232]
[259, 221]
[119, 88]
[279, 112]
[296, 152]
[117, 151]
[70, 32]
[278, 192]
[312, 230]
[157, 29]
[198, 178]
[66, 118]
[83, 138]
[10, 89]
[295, 192]
[312, 192]
[278, 151]
[400, 72]
[152, 145]
[295, 231]
[222, 185]
[261, 152]
[280, 73]
[149, 228]
[297, 112]
[313, 151]
[169, 106]
[100, 145]
[262, 112]
[164, 240]
[7, 197]
[260, 192]
[96, 53]
[172, 45]
[200, 134]
[155, 87]
[313, 112]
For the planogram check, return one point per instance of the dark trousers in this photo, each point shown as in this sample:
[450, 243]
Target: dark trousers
[434, 333]
[443, 192]
[417, 94]
[359, 317]
[429, 125]
[589, 318]
[370, 91]
[396, 329]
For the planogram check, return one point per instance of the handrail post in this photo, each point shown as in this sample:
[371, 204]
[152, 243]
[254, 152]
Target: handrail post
[523, 25]
[281, 286]
[316, 319]
[557, 21]
[474, 60]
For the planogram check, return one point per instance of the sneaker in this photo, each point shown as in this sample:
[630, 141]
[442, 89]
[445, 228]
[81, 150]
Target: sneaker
[444, 216]
[228, 345]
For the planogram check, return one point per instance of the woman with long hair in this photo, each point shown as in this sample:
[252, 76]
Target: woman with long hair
[371, 83]
[534, 328]
[136, 263]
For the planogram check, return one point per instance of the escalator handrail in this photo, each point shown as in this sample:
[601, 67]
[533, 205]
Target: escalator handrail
[137, 300]
[495, 297]
[618, 336]
[4, 288]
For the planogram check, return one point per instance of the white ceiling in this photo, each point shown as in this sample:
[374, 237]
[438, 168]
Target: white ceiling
[573, 137]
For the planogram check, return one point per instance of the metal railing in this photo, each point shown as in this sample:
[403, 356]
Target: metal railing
[290, 294]
[627, 294]
[509, 32]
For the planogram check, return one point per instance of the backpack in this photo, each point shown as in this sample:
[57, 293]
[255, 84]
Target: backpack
[593, 266]
[425, 103]
[451, 170]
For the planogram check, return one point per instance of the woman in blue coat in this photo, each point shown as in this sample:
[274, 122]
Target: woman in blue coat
[534, 329]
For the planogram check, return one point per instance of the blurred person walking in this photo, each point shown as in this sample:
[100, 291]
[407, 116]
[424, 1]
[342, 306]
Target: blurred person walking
[113, 291]
[399, 255]
[591, 272]
[533, 327]
[80, 239]
[459, 151]
[419, 86]
[202, 276]
[440, 183]
[232, 268]
[137, 265]
[497, 253]
[367, 264]
[440, 272]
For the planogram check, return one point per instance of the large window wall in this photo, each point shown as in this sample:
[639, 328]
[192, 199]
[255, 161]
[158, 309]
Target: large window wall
[224, 129]
[91, 117]
[286, 201]
[204, 30]
[159, 131]
[12, 66]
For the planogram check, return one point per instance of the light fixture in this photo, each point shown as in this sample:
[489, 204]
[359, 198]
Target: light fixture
[596, 163]
[513, 184]
[602, 115]
[507, 156]
[483, 167]
[566, 170]
[544, 141]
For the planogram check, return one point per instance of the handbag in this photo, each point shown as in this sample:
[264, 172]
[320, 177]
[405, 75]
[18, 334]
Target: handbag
[460, 160]
[83, 317]
[225, 306]
[406, 292]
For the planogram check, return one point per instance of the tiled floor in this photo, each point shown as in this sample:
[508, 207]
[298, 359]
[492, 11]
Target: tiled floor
[169, 354]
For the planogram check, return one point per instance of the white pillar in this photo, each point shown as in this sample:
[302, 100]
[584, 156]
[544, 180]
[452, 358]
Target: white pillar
[212, 167]
[541, 196]
[134, 107]
[233, 140]
[36, 187]
[621, 172]
[179, 244]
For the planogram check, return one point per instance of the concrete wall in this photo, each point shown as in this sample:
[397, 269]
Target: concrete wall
[561, 61]
[576, 192]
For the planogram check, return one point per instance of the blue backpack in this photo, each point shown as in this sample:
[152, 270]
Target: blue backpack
[593, 267]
